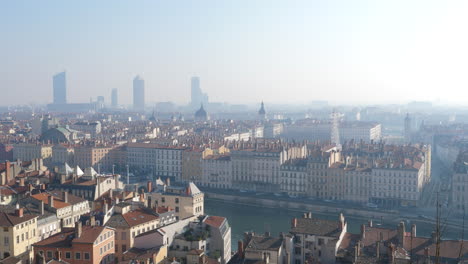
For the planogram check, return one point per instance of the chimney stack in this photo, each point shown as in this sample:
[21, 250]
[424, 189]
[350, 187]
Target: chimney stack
[168, 181]
[149, 186]
[19, 212]
[78, 229]
[377, 247]
[370, 223]
[51, 201]
[30, 188]
[21, 182]
[41, 207]
[413, 230]
[294, 222]
[7, 171]
[65, 196]
[401, 233]
[92, 221]
[149, 202]
[363, 231]
[240, 249]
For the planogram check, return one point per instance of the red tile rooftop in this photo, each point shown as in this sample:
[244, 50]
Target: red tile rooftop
[215, 221]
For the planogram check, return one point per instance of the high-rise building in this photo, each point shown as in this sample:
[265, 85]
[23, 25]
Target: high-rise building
[138, 94]
[60, 88]
[198, 97]
[407, 128]
[114, 98]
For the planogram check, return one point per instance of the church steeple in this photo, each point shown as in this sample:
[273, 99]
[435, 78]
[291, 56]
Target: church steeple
[262, 112]
[153, 117]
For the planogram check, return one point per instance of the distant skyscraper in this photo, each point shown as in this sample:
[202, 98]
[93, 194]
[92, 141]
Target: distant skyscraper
[60, 88]
[407, 128]
[138, 94]
[198, 97]
[114, 98]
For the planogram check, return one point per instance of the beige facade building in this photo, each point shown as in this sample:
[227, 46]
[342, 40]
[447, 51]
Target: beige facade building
[27, 151]
[216, 172]
[97, 157]
[67, 207]
[62, 153]
[18, 233]
[128, 224]
[187, 200]
[163, 161]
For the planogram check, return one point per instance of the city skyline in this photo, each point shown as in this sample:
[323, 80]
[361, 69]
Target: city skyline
[279, 52]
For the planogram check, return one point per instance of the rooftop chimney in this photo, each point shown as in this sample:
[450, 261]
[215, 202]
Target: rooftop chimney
[413, 230]
[168, 181]
[149, 202]
[240, 249]
[78, 229]
[19, 212]
[401, 233]
[65, 196]
[377, 247]
[21, 182]
[41, 207]
[92, 221]
[363, 231]
[149, 186]
[7, 171]
[51, 201]
[294, 222]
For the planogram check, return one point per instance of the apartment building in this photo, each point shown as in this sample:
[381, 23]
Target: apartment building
[294, 177]
[67, 207]
[91, 128]
[63, 153]
[264, 248]
[81, 244]
[18, 234]
[256, 167]
[88, 185]
[317, 240]
[216, 172]
[460, 183]
[98, 157]
[162, 161]
[28, 151]
[129, 223]
[187, 199]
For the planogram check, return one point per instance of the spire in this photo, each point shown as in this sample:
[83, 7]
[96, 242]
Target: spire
[262, 110]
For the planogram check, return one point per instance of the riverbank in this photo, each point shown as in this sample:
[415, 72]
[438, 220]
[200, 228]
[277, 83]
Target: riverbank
[241, 206]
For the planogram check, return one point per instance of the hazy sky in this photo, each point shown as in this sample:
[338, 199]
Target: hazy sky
[243, 50]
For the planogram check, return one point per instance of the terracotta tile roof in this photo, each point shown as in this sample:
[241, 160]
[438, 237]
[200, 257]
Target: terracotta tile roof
[58, 203]
[137, 217]
[10, 219]
[316, 226]
[90, 234]
[215, 221]
[59, 240]
[132, 218]
[66, 238]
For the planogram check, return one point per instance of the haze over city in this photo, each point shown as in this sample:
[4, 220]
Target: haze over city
[244, 51]
[233, 132]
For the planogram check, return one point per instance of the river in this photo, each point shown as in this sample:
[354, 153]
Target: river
[244, 218]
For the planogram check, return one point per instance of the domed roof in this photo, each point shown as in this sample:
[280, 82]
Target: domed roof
[201, 113]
